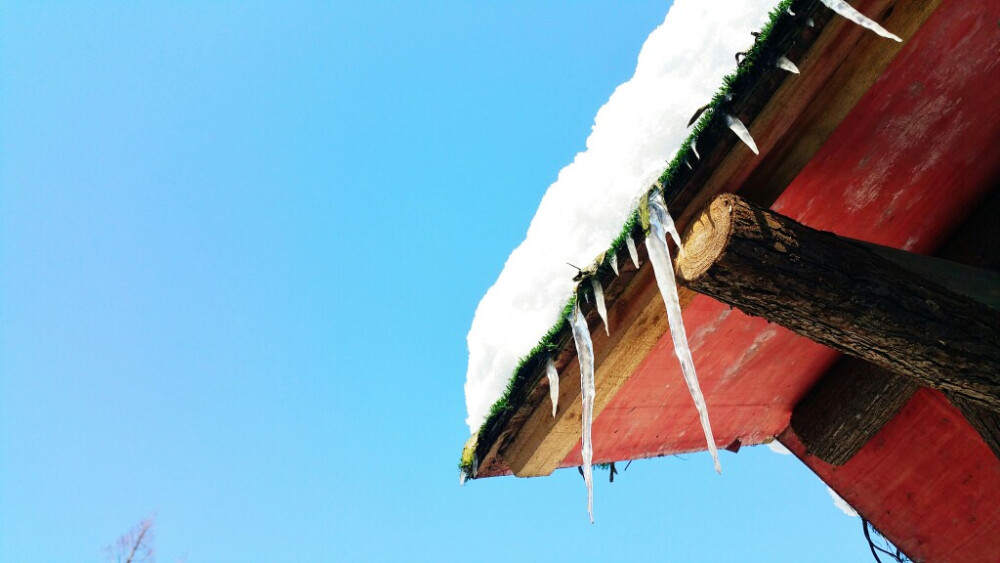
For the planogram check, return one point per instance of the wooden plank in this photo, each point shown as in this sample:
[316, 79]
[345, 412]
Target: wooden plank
[840, 294]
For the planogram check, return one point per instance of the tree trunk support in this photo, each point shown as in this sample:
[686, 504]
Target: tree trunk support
[848, 407]
[844, 295]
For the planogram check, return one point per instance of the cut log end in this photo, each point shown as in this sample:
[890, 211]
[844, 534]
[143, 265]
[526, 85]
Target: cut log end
[706, 238]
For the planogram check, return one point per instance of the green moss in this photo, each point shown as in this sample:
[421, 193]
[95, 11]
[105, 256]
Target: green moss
[773, 41]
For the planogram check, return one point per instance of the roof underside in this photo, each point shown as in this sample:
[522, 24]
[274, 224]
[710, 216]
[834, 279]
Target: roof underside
[895, 145]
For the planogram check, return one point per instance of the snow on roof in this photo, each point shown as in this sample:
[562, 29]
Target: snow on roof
[681, 65]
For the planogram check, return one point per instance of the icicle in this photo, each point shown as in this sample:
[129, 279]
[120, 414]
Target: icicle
[461, 478]
[694, 147]
[599, 300]
[846, 10]
[790, 12]
[553, 375]
[614, 263]
[688, 164]
[585, 355]
[632, 251]
[785, 64]
[656, 243]
[810, 22]
[741, 131]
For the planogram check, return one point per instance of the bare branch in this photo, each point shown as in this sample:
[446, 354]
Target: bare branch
[136, 546]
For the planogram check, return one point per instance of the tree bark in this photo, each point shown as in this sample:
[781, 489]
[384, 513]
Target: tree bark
[848, 407]
[985, 421]
[845, 296]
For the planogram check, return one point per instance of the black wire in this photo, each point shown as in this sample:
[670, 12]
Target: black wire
[871, 545]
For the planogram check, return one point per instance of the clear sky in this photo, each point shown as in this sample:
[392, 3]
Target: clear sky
[240, 248]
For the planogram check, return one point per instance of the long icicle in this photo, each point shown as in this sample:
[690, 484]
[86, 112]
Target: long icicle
[614, 262]
[632, 252]
[602, 310]
[585, 355]
[741, 131]
[553, 375]
[848, 11]
[660, 223]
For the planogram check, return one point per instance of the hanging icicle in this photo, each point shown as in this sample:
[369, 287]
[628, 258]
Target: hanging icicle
[553, 375]
[660, 223]
[585, 355]
[599, 301]
[785, 64]
[741, 131]
[694, 147]
[614, 262]
[632, 252]
[848, 11]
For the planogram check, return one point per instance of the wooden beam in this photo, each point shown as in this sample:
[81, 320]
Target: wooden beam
[845, 296]
[848, 407]
[976, 283]
[852, 402]
[985, 421]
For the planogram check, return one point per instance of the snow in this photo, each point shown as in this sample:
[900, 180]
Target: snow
[553, 375]
[842, 504]
[585, 354]
[846, 10]
[680, 67]
[778, 448]
[602, 310]
[660, 223]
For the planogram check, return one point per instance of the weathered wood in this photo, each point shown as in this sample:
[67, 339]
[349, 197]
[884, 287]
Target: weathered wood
[852, 402]
[845, 296]
[975, 283]
[848, 407]
[984, 420]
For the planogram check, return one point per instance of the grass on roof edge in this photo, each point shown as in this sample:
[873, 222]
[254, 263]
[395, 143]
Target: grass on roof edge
[758, 59]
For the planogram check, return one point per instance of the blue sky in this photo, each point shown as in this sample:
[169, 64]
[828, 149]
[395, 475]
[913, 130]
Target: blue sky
[240, 249]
